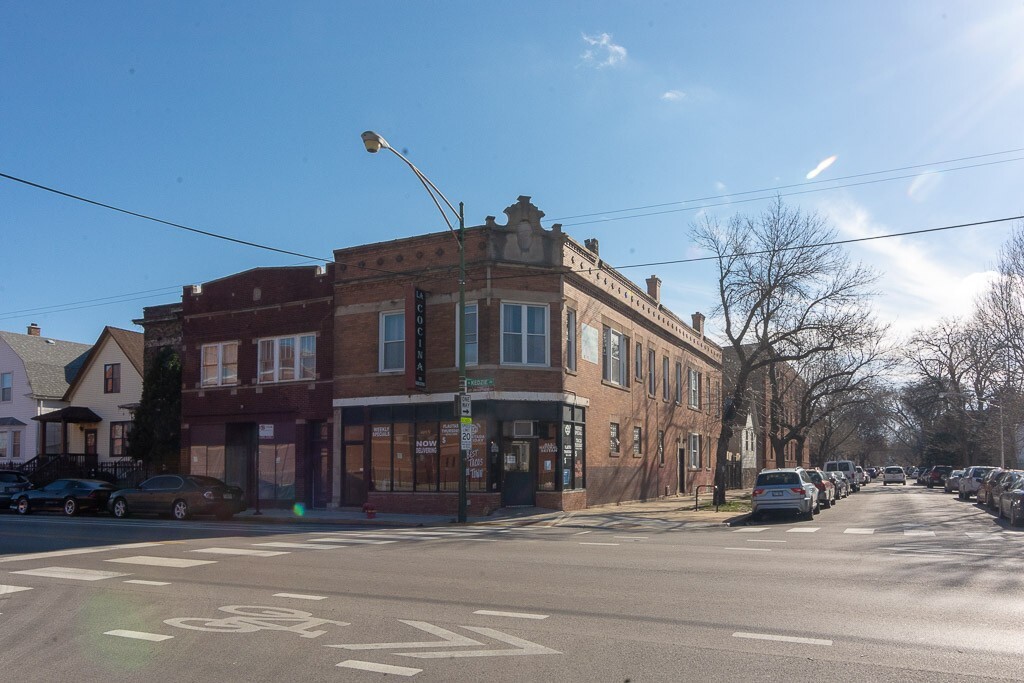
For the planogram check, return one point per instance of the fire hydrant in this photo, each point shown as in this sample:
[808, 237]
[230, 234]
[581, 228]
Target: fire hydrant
[370, 510]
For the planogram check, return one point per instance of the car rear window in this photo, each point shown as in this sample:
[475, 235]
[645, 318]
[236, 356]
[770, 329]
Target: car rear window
[778, 479]
[893, 470]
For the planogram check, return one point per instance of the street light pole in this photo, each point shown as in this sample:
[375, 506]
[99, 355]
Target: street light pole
[374, 143]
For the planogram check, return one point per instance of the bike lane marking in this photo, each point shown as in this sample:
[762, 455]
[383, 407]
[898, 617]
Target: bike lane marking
[300, 596]
[138, 635]
[379, 668]
[516, 615]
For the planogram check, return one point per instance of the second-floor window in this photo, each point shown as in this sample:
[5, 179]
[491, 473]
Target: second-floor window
[664, 378]
[694, 389]
[651, 377]
[285, 359]
[615, 357]
[220, 364]
[472, 334]
[570, 339]
[6, 386]
[112, 378]
[524, 334]
[392, 341]
[679, 383]
[638, 362]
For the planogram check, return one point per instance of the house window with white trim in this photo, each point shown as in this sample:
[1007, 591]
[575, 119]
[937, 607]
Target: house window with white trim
[119, 432]
[651, 378]
[6, 386]
[220, 364]
[286, 359]
[664, 378]
[112, 378]
[695, 381]
[392, 341]
[615, 358]
[679, 383]
[524, 334]
[472, 334]
[694, 451]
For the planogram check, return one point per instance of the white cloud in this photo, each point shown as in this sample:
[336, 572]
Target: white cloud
[825, 163]
[673, 95]
[917, 286]
[720, 186]
[602, 51]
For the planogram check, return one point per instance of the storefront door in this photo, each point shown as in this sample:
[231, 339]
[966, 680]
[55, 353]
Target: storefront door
[519, 479]
[354, 486]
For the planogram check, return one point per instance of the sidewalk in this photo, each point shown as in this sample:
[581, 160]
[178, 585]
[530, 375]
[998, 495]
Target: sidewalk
[664, 513]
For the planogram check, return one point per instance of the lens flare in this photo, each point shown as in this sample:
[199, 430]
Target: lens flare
[821, 167]
[299, 509]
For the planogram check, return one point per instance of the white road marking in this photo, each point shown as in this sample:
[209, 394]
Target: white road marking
[750, 529]
[917, 532]
[379, 668]
[485, 540]
[984, 535]
[515, 615]
[784, 639]
[363, 541]
[150, 561]
[803, 530]
[138, 635]
[71, 573]
[859, 531]
[524, 647]
[300, 546]
[754, 550]
[7, 590]
[76, 551]
[448, 639]
[334, 534]
[240, 551]
[763, 540]
[148, 583]
[631, 538]
[594, 543]
[584, 532]
[436, 533]
[300, 596]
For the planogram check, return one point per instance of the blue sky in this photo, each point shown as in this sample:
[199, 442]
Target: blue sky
[243, 118]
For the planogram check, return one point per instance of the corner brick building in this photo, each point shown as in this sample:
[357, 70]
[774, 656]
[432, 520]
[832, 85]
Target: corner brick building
[340, 386]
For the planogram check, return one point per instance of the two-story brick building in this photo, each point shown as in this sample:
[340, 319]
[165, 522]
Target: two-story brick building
[587, 389]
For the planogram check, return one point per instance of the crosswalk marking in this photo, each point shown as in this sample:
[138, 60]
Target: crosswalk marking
[379, 668]
[803, 530]
[240, 551]
[150, 561]
[72, 573]
[299, 546]
[750, 529]
[76, 551]
[137, 635]
[300, 596]
[358, 541]
[436, 533]
[917, 532]
[7, 590]
[859, 531]
[148, 583]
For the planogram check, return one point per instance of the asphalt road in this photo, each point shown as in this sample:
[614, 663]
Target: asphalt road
[894, 583]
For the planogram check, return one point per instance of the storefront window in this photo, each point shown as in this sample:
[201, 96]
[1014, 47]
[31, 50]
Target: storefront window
[450, 440]
[547, 464]
[403, 464]
[380, 458]
[277, 471]
[426, 457]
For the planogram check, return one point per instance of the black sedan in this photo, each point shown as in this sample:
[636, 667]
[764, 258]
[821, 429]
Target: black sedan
[70, 496]
[181, 496]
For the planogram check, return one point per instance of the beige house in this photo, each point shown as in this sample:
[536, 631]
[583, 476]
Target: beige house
[98, 416]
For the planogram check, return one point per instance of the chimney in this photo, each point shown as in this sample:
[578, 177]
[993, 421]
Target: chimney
[591, 244]
[698, 323]
[33, 330]
[654, 287]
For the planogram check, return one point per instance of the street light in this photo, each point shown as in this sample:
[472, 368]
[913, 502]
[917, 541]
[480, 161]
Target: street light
[374, 143]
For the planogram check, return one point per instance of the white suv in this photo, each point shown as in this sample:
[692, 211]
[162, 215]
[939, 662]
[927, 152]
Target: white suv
[970, 480]
[894, 475]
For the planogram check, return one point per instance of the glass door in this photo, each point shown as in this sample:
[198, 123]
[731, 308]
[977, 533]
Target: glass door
[518, 482]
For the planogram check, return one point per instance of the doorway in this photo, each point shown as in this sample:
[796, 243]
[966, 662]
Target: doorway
[518, 476]
[90, 442]
[354, 487]
[240, 439]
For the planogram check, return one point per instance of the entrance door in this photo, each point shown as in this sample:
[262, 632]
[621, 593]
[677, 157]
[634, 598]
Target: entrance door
[354, 486]
[518, 481]
[90, 442]
[240, 440]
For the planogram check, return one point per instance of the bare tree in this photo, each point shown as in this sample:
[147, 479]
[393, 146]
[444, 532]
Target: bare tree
[784, 293]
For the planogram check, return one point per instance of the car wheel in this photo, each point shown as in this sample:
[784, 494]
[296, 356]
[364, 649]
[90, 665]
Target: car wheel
[70, 507]
[1013, 516]
[179, 510]
[120, 508]
[808, 516]
[23, 506]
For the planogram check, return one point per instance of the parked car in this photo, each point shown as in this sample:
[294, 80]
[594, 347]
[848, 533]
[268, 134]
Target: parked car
[985, 487]
[790, 489]
[12, 482]
[842, 484]
[181, 496]
[826, 489]
[922, 475]
[937, 475]
[1012, 498]
[894, 474]
[971, 480]
[999, 484]
[848, 468]
[862, 476]
[70, 496]
[953, 481]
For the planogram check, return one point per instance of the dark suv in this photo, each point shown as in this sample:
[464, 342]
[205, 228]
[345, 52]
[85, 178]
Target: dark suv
[11, 482]
[937, 476]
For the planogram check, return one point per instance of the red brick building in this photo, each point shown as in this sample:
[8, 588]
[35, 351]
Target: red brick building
[256, 352]
[588, 390]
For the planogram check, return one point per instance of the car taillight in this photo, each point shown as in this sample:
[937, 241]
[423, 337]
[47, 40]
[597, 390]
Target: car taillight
[798, 491]
[758, 492]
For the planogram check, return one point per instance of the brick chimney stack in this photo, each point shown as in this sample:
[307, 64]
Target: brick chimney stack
[592, 245]
[698, 323]
[654, 287]
[33, 330]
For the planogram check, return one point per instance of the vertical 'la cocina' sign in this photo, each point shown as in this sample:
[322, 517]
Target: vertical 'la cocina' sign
[416, 338]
